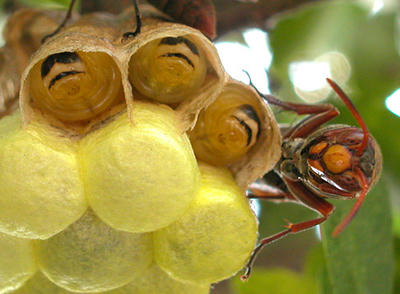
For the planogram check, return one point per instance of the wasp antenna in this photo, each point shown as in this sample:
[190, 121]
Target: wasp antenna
[250, 81]
[138, 22]
[269, 98]
[343, 224]
[353, 111]
[64, 22]
[253, 86]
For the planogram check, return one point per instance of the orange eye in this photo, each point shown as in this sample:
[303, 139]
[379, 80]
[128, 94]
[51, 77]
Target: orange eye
[337, 159]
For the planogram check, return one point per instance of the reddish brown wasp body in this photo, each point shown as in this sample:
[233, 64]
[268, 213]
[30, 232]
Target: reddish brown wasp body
[336, 161]
[199, 14]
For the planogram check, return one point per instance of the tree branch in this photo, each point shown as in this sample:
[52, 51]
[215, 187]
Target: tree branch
[231, 14]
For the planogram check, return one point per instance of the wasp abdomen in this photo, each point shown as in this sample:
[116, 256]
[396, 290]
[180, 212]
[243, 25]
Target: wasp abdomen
[178, 40]
[168, 70]
[64, 58]
[59, 66]
[179, 55]
[62, 75]
[76, 86]
[248, 118]
[227, 129]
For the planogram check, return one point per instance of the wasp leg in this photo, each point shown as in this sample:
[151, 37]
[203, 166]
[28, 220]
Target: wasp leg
[270, 187]
[138, 22]
[305, 197]
[354, 112]
[312, 123]
[319, 114]
[327, 112]
[64, 22]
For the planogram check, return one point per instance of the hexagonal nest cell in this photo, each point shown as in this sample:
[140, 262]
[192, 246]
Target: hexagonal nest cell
[125, 166]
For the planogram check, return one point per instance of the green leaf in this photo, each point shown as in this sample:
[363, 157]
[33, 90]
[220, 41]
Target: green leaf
[396, 222]
[397, 260]
[360, 260]
[46, 4]
[288, 251]
[315, 268]
[275, 281]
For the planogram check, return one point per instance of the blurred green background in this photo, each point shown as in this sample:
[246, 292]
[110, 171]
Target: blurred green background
[359, 40]
[295, 54]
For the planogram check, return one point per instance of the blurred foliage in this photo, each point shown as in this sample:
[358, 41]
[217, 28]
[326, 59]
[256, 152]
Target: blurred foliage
[46, 4]
[284, 252]
[369, 44]
[397, 261]
[360, 259]
[315, 268]
[275, 281]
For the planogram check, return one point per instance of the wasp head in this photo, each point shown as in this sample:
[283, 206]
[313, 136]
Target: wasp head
[334, 165]
[342, 161]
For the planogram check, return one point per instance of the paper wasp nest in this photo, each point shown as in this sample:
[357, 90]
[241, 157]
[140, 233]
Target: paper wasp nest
[109, 178]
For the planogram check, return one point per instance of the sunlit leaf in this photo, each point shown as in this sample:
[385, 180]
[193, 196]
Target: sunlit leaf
[360, 259]
[315, 268]
[275, 281]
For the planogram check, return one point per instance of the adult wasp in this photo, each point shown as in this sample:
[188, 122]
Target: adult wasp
[334, 161]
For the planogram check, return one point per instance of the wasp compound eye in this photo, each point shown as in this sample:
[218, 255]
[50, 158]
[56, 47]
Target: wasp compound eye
[227, 129]
[168, 70]
[76, 86]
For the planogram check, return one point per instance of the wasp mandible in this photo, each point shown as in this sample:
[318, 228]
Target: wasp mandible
[335, 161]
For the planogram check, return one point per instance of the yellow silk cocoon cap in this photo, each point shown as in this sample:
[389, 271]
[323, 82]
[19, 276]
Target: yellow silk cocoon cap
[214, 238]
[17, 262]
[39, 284]
[155, 281]
[90, 256]
[41, 191]
[140, 176]
[151, 281]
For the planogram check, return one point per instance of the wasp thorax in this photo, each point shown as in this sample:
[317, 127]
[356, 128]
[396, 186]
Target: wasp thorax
[168, 70]
[227, 129]
[76, 86]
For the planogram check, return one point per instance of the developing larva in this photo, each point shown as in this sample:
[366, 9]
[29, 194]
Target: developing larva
[168, 70]
[76, 86]
[227, 129]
